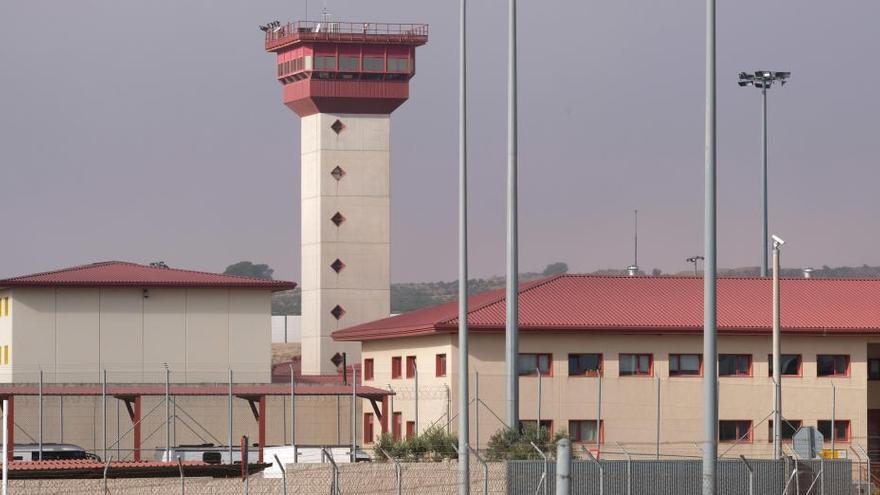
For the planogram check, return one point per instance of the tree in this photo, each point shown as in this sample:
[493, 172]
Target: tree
[557, 268]
[513, 445]
[248, 269]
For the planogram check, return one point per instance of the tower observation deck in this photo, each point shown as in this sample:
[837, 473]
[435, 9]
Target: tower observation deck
[344, 79]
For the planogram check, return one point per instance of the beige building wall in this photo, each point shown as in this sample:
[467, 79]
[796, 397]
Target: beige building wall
[362, 242]
[629, 403]
[72, 334]
[5, 336]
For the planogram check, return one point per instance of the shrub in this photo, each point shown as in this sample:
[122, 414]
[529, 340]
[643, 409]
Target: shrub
[513, 444]
[434, 444]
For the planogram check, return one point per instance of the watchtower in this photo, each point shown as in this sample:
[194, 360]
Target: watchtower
[344, 79]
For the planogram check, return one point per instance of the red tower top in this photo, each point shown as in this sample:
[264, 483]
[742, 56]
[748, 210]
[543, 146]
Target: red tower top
[345, 67]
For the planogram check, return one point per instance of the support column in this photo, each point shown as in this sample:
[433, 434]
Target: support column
[10, 427]
[136, 419]
[383, 421]
[261, 425]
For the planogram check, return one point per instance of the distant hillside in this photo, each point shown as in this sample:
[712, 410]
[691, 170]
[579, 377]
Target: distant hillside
[410, 296]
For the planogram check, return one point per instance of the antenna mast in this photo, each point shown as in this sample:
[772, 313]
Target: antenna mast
[636, 236]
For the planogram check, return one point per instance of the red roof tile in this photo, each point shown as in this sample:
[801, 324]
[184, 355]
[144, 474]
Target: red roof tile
[651, 305]
[123, 274]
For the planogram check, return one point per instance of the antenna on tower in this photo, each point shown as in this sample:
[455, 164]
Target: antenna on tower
[633, 270]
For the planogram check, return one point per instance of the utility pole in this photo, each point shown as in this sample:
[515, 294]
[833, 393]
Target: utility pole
[512, 327]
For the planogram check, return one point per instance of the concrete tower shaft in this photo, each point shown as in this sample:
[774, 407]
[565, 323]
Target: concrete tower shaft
[344, 80]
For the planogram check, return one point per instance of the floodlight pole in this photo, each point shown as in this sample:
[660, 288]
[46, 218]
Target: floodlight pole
[710, 349]
[777, 359]
[764, 233]
[463, 351]
[512, 327]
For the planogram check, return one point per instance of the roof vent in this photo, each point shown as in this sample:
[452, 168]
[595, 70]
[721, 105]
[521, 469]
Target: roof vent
[632, 270]
[808, 272]
[158, 264]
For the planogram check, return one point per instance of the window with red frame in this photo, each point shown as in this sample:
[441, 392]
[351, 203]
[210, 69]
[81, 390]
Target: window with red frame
[584, 364]
[396, 367]
[790, 365]
[789, 428]
[410, 429]
[841, 429]
[368, 427]
[440, 365]
[410, 366]
[734, 430]
[832, 365]
[685, 364]
[396, 425]
[873, 369]
[528, 364]
[734, 365]
[368, 369]
[636, 365]
[584, 430]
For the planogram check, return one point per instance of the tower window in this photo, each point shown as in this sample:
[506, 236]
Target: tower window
[337, 173]
[398, 65]
[325, 63]
[337, 312]
[337, 219]
[375, 64]
[337, 126]
[337, 265]
[349, 64]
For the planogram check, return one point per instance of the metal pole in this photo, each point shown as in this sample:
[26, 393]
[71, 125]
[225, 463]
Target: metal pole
[292, 411]
[538, 404]
[338, 421]
[601, 470]
[765, 243]
[182, 483]
[5, 446]
[563, 467]
[512, 319]
[710, 350]
[354, 414]
[283, 473]
[658, 418]
[40, 421]
[416, 387]
[464, 485]
[477, 410]
[751, 474]
[229, 417]
[61, 417]
[628, 469]
[118, 449]
[167, 414]
[104, 412]
[599, 415]
[859, 468]
[777, 361]
[448, 410]
[106, 468]
[833, 418]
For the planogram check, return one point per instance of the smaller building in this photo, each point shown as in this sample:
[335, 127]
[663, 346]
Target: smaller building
[133, 321]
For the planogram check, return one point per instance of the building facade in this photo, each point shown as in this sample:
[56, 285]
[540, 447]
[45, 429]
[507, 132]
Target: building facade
[627, 351]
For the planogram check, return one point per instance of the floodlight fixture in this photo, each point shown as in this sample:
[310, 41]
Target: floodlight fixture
[777, 241]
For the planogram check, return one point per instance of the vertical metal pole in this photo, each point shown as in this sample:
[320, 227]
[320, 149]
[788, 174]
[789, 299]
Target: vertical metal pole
[283, 473]
[40, 421]
[658, 418]
[5, 447]
[229, 417]
[167, 414]
[833, 418]
[477, 410]
[285, 330]
[599, 415]
[765, 233]
[538, 404]
[118, 448]
[61, 418]
[104, 412]
[448, 410]
[710, 350]
[416, 386]
[292, 411]
[777, 361]
[182, 479]
[353, 414]
[512, 319]
[563, 467]
[338, 426]
[464, 485]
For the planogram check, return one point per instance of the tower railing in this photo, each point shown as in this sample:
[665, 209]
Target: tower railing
[345, 31]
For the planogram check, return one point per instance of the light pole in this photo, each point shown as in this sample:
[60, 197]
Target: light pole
[694, 260]
[512, 311]
[464, 485]
[777, 360]
[763, 80]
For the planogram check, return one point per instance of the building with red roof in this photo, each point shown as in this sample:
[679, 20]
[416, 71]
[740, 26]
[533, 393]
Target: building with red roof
[641, 337]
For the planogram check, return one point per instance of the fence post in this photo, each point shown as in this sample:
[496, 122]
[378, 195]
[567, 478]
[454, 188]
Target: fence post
[543, 481]
[229, 416]
[106, 467]
[397, 472]
[658, 417]
[601, 469]
[283, 475]
[40, 434]
[751, 474]
[858, 468]
[485, 470]
[833, 417]
[599, 414]
[628, 468]
[563, 467]
[334, 480]
[180, 468]
[869, 477]
[477, 409]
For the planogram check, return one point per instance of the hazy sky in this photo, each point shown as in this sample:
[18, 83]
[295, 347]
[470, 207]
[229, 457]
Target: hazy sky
[154, 130]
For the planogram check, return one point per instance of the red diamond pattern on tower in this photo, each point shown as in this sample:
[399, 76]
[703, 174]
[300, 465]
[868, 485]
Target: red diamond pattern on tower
[337, 265]
[337, 126]
[337, 219]
[337, 312]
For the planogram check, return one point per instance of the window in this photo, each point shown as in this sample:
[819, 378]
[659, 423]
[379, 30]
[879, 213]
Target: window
[584, 430]
[410, 429]
[528, 364]
[685, 365]
[841, 429]
[734, 365]
[396, 367]
[546, 425]
[874, 369]
[375, 64]
[789, 428]
[440, 365]
[791, 365]
[584, 364]
[636, 365]
[325, 62]
[368, 369]
[308, 62]
[734, 430]
[828, 365]
[396, 425]
[398, 65]
[368, 427]
[410, 366]
[350, 64]
[280, 69]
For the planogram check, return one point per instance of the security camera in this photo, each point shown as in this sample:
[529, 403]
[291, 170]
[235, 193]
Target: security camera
[777, 240]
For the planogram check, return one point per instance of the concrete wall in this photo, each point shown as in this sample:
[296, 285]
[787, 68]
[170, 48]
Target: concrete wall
[71, 334]
[629, 403]
[363, 150]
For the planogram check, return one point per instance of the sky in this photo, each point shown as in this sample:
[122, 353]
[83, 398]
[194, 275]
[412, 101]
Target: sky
[148, 131]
